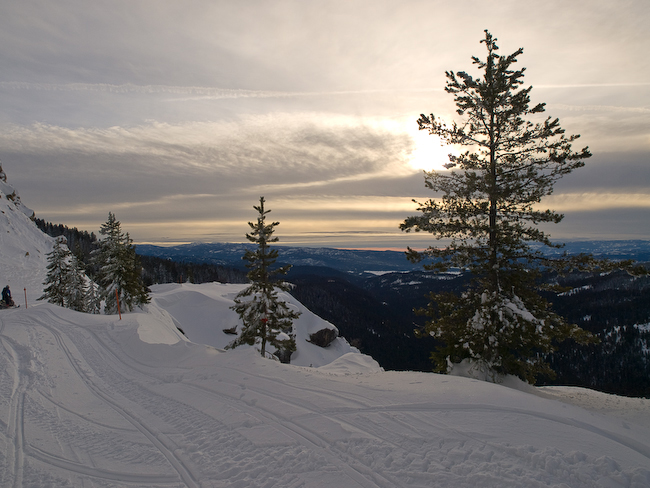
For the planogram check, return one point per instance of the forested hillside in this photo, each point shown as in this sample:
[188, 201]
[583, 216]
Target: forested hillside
[616, 308]
[376, 314]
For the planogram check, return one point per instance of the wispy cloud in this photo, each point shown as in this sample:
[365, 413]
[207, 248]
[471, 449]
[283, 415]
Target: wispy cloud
[596, 201]
[290, 144]
[602, 108]
[193, 92]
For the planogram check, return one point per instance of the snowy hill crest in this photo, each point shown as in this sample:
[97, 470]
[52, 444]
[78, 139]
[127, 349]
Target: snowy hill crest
[10, 193]
[23, 246]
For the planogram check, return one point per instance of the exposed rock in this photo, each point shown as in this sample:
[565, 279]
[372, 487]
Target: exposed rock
[323, 337]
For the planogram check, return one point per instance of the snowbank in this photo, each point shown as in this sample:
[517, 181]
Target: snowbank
[203, 311]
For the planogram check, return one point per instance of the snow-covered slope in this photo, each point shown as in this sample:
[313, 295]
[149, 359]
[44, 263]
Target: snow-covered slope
[84, 401]
[94, 401]
[23, 247]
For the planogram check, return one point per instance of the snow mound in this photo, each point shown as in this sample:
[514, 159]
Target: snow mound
[203, 312]
[352, 363]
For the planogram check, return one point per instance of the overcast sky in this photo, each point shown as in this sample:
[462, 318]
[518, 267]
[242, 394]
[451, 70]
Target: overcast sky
[178, 115]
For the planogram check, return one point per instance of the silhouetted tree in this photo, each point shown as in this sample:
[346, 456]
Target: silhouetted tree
[489, 209]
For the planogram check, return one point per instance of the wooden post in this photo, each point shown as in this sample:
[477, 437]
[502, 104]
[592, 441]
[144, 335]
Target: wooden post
[117, 297]
[25, 289]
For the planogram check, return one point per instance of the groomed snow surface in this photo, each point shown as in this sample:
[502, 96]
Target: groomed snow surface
[94, 401]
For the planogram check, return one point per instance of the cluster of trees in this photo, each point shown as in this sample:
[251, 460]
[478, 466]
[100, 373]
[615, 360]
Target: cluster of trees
[159, 270]
[66, 281]
[114, 268]
[114, 274]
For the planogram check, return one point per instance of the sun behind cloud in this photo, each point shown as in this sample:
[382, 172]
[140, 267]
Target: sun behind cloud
[429, 152]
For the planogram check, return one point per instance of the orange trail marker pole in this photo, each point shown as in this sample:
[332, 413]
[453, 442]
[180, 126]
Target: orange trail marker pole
[25, 289]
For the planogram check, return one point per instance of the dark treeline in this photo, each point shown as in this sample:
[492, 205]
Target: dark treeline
[615, 307]
[154, 270]
[159, 270]
[78, 240]
[375, 328]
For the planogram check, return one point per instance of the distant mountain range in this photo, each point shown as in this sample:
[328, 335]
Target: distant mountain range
[352, 261]
[363, 262]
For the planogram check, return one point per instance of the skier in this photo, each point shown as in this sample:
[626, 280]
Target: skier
[6, 297]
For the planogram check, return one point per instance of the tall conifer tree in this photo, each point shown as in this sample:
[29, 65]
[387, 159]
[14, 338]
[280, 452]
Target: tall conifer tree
[267, 320]
[488, 207]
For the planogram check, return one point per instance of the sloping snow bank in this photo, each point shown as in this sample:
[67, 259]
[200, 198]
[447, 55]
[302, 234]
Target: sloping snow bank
[203, 311]
[629, 410]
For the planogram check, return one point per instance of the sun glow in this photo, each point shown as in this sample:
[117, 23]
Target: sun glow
[429, 152]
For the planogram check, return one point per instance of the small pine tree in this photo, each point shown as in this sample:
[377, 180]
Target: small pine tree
[118, 269]
[77, 289]
[93, 302]
[266, 319]
[58, 274]
[66, 278]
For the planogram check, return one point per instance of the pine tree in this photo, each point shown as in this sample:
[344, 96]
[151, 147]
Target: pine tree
[77, 288]
[118, 269]
[58, 274]
[267, 320]
[93, 302]
[489, 210]
[66, 278]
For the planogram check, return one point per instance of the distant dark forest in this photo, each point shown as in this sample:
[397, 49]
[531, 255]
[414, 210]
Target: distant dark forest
[376, 315]
[78, 240]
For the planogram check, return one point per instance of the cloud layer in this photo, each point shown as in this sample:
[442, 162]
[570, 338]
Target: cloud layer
[178, 116]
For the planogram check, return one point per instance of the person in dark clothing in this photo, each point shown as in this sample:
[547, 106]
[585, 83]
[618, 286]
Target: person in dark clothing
[6, 296]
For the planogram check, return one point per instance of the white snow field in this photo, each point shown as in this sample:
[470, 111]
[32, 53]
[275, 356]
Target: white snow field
[95, 401]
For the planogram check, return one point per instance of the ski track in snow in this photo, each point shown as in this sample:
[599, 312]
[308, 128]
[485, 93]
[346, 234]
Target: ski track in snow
[80, 409]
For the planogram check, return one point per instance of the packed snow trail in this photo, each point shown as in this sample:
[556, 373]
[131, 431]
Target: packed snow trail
[85, 402]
